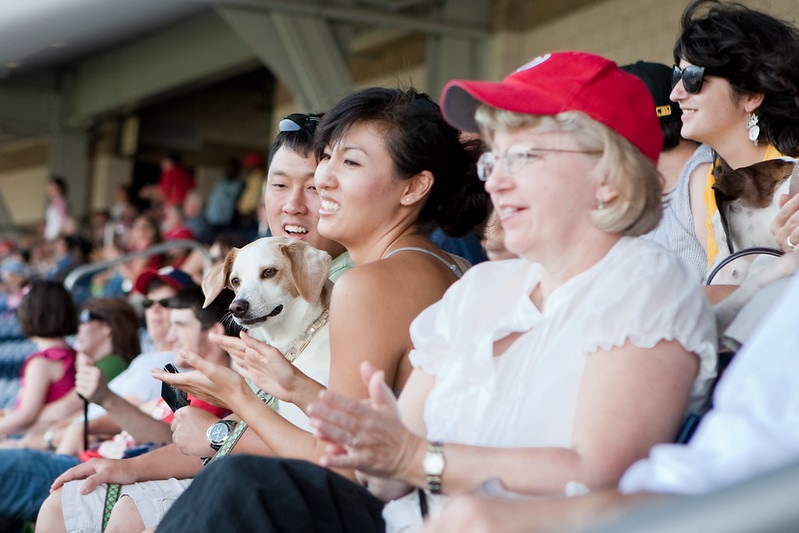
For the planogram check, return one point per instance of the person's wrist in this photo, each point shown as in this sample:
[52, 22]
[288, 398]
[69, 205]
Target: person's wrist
[49, 440]
[103, 399]
[303, 392]
[410, 468]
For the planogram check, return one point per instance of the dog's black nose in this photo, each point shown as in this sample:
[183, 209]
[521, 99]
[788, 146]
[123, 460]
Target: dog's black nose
[239, 307]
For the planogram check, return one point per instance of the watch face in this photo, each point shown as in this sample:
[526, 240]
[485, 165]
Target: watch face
[433, 463]
[218, 433]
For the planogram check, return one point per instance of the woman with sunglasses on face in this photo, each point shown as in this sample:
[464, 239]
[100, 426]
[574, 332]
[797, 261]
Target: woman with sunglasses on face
[108, 337]
[556, 369]
[737, 83]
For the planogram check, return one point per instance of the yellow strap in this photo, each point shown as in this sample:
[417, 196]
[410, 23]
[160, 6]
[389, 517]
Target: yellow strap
[710, 204]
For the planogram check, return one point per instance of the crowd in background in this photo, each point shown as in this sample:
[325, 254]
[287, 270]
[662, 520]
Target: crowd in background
[550, 374]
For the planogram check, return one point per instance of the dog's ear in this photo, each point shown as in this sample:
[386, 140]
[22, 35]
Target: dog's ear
[309, 268]
[218, 278]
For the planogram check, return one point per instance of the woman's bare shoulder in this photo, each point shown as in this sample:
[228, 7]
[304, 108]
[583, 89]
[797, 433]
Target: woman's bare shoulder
[400, 275]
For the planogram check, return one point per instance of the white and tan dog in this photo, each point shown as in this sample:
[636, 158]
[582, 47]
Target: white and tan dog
[281, 287]
[749, 200]
[282, 290]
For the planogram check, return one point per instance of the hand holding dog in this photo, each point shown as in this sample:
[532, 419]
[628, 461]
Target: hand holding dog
[266, 367]
[270, 370]
[234, 346]
[366, 435]
[213, 383]
[786, 224]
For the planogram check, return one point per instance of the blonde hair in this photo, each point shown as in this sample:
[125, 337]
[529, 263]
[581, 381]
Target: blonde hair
[638, 207]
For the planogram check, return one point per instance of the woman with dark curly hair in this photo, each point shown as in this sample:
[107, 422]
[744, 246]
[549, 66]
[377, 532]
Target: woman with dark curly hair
[737, 83]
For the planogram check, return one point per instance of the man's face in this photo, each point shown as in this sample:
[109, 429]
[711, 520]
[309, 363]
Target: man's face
[291, 201]
[156, 315]
[186, 334]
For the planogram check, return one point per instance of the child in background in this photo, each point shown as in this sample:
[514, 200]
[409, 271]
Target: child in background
[47, 315]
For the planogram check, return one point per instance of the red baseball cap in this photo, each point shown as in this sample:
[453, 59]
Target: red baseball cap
[564, 81]
[171, 276]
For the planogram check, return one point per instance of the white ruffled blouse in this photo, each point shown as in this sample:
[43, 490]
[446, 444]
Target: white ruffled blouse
[528, 395]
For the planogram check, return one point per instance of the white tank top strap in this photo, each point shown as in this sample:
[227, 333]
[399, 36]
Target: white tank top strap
[456, 267]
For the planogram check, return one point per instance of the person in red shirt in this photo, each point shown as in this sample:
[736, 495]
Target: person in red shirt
[176, 180]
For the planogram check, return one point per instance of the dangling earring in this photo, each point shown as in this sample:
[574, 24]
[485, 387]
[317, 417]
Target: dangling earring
[752, 128]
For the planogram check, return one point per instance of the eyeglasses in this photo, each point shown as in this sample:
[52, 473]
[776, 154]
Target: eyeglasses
[516, 157]
[297, 122]
[691, 76]
[148, 303]
[87, 316]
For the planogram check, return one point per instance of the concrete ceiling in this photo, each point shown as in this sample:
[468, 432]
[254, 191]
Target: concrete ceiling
[38, 35]
[68, 63]
[43, 34]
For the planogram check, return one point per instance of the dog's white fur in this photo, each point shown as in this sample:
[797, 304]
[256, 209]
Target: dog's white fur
[273, 272]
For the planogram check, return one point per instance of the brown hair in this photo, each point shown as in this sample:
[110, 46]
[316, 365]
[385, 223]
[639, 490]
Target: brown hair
[47, 311]
[123, 323]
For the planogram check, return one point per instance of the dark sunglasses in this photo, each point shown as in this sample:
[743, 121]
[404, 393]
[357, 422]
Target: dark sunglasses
[148, 303]
[297, 122]
[691, 76]
[88, 316]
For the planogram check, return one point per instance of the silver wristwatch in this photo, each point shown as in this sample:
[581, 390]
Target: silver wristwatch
[219, 432]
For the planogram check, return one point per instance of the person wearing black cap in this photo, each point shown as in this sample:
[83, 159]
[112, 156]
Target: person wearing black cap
[542, 371]
[683, 165]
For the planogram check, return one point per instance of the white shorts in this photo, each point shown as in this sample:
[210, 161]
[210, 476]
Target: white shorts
[84, 513]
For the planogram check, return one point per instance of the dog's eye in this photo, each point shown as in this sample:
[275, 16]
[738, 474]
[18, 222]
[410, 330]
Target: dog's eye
[234, 282]
[268, 273]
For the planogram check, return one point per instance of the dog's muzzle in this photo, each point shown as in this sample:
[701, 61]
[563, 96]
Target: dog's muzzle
[240, 308]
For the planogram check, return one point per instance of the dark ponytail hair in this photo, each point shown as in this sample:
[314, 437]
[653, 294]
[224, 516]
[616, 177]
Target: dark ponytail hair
[418, 139]
[755, 52]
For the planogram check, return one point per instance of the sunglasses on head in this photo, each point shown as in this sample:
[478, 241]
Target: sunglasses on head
[297, 122]
[691, 76]
[88, 316]
[148, 303]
